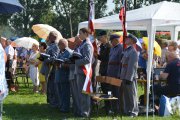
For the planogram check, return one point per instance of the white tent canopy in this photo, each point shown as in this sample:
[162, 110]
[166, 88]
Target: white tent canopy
[163, 16]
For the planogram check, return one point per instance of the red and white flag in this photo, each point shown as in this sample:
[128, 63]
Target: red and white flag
[87, 69]
[91, 25]
[87, 88]
[122, 17]
[91, 16]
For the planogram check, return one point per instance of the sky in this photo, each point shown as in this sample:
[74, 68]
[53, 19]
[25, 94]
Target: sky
[110, 5]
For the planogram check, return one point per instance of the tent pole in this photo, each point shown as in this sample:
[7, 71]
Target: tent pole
[174, 34]
[151, 37]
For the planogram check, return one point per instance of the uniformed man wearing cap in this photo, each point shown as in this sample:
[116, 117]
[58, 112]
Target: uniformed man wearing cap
[114, 66]
[128, 75]
[103, 56]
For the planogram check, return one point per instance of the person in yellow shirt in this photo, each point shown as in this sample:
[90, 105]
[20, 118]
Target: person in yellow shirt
[42, 49]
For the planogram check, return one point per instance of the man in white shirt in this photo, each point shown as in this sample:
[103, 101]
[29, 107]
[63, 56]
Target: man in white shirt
[10, 55]
[9, 50]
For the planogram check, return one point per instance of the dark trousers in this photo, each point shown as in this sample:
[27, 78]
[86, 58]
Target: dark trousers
[57, 93]
[166, 90]
[64, 95]
[94, 75]
[116, 93]
[8, 73]
[105, 88]
[51, 91]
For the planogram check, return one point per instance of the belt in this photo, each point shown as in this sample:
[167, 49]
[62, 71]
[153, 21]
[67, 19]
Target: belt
[113, 63]
[124, 65]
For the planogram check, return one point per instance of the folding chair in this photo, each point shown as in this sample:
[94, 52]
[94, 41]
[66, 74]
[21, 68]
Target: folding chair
[21, 73]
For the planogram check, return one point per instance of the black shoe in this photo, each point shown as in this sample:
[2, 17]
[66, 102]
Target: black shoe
[53, 106]
[64, 111]
[132, 115]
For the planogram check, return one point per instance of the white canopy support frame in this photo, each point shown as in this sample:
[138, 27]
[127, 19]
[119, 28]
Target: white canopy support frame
[151, 36]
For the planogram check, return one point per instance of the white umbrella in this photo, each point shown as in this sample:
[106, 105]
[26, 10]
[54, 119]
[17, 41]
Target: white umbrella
[43, 30]
[26, 42]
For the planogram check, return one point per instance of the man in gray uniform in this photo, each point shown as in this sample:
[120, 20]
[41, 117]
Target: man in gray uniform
[86, 50]
[128, 75]
[114, 67]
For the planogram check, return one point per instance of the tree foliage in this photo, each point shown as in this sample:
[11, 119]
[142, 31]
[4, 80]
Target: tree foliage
[61, 14]
[71, 12]
[134, 4]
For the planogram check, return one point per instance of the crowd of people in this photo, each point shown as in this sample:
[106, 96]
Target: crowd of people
[61, 80]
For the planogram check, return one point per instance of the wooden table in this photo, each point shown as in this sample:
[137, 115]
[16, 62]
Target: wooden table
[144, 82]
[99, 97]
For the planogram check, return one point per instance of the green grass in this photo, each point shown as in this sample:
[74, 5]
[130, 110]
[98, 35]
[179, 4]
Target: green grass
[24, 105]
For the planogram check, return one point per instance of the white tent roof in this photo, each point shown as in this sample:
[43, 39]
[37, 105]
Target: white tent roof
[159, 14]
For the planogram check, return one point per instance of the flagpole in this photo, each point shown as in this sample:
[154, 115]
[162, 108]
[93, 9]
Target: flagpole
[88, 10]
[124, 22]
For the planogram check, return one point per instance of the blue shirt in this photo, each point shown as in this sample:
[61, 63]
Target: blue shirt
[173, 69]
[142, 61]
[62, 73]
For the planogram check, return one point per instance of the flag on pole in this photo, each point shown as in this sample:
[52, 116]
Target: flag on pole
[87, 69]
[122, 17]
[91, 25]
[91, 17]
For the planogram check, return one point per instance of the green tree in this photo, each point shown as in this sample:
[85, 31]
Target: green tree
[35, 11]
[72, 12]
[134, 4]
[61, 14]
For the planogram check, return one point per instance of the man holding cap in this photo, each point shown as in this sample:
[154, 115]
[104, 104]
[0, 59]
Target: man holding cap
[128, 75]
[114, 67]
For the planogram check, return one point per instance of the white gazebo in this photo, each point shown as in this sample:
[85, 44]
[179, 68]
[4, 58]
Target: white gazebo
[163, 16]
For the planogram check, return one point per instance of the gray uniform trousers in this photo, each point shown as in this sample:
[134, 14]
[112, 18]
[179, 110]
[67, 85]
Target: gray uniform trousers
[74, 92]
[84, 99]
[130, 98]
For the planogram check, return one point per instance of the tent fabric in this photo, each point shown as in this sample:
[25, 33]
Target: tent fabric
[163, 13]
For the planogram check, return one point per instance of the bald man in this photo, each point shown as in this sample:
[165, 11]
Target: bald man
[172, 75]
[62, 77]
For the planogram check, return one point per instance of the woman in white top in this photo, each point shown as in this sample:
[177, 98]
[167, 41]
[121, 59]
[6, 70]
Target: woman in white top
[33, 69]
